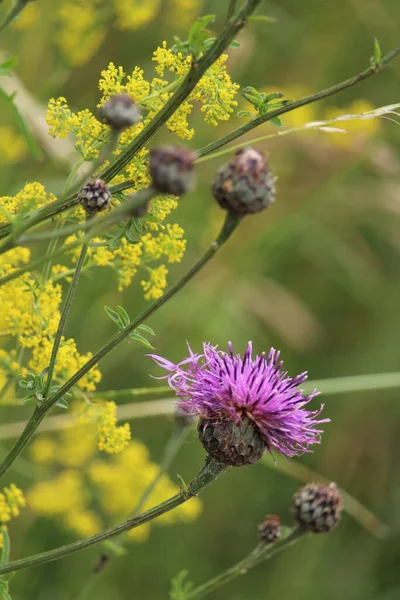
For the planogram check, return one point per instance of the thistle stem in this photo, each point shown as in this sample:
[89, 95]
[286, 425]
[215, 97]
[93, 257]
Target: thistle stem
[259, 554]
[210, 471]
[229, 226]
[14, 12]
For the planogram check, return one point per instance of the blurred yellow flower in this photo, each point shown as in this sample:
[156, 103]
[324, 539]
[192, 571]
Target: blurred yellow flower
[358, 130]
[12, 145]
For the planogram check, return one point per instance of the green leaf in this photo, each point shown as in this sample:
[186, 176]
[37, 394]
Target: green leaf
[198, 33]
[124, 317]
[244, 113]
[62, 403]
[182, 483]
[377, 51]
[263, 18]
[180, 587]
[276, 121]
[141, 340]
[5, 552]
[145, 328]
[114, 316]
[234, 44]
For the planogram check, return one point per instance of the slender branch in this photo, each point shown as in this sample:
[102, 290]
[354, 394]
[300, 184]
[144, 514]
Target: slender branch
[230, 224]
[372, 70]
[64, 315]
[261, 553]
[207, 474]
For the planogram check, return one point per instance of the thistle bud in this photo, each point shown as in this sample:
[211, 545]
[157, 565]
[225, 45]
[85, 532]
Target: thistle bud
[235, 443]
[172, 170]
[245, 185]
[316, 507]
[120, 112]
[269, 530]
[95, 196]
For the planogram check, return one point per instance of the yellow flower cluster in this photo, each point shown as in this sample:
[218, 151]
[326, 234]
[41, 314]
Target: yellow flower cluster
[117, 483]
[156, 284]
[11, 500]
[111, 438]
[69, 361]
[32, 196]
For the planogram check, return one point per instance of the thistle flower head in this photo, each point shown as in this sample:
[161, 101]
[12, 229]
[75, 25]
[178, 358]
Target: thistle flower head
[317, 507]
[225, 388]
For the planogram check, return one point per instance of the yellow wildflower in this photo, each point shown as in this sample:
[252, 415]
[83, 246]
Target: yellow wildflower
[111, 438]
[69, 361]
[32, 196]
[64, 493]
[156, 284]
[11, 500]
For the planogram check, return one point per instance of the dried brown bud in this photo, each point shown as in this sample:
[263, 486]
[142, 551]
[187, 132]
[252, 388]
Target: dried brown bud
[269, 530]
[245, 185]
[120, 112]
[316, 507]
[172, 170]
[233, 443]
[95, 196]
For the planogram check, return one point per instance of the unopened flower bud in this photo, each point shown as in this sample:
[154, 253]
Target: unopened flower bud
[95, 196]
[245, 185]
[120, 112]
[235, 443]
[183, 419]
[316, 507]
[172, 170]
[269, 530]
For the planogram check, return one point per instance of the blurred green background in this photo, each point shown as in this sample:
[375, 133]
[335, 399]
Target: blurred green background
[317, 275]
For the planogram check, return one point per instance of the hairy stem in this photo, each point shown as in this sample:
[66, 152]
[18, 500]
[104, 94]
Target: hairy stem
[229, 226]
[207, 474]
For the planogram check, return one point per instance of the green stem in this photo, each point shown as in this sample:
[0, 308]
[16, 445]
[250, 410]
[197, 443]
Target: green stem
[64, 315]
[372, 70]
[230, 224]
[259, 554]
[207, 474]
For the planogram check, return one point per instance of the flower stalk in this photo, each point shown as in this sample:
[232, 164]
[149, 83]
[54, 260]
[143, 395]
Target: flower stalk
[209, 472]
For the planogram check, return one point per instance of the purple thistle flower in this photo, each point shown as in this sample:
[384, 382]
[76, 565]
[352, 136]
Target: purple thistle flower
[223, 387]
